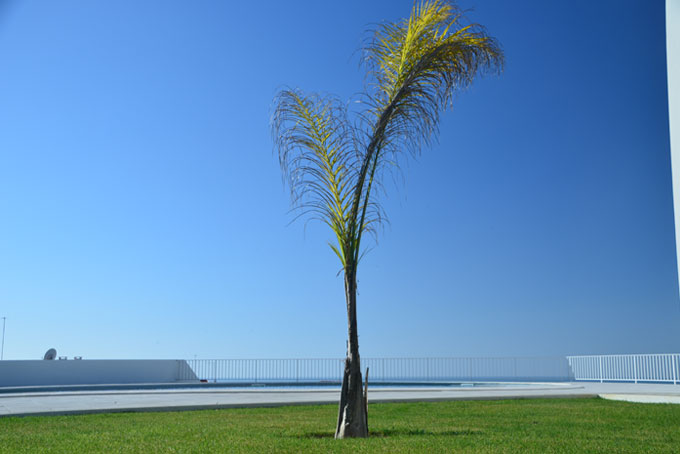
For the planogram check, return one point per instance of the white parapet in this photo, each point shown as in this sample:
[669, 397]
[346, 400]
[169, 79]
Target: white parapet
[93, 372]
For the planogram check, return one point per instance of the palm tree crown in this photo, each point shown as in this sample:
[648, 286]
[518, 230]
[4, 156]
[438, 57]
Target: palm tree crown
[414, 66]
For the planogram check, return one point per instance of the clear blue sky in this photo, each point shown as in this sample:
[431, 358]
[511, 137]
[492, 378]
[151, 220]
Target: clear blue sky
[143, 214]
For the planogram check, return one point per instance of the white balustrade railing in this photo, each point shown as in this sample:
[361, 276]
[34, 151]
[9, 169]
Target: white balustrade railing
[383, 369]
[659, 368]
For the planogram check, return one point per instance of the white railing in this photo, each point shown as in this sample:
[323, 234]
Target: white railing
[384, 369]
[661, 368]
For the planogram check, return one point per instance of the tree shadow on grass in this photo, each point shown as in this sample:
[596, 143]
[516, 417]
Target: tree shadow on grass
[384, 433]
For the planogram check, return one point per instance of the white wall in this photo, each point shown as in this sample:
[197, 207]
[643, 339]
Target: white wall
[673, 64]
[82, 372]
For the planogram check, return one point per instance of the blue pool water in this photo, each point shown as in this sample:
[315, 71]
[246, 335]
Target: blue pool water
[239, 386]
[336, 385]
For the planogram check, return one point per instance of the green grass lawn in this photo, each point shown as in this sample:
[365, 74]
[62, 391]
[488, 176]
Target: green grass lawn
[522, 426]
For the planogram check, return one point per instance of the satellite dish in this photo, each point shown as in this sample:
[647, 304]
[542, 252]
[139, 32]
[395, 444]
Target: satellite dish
[50, 354]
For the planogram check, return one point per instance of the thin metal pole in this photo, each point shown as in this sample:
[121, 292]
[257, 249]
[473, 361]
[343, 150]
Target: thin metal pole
[2, 350]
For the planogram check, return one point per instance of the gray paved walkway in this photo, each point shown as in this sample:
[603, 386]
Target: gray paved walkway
[68, 402]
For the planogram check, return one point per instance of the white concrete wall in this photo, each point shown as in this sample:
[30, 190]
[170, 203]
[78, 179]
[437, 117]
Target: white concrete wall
[89, 372]
[673, 65]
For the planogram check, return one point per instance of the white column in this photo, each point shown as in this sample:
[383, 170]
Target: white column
[673, 64]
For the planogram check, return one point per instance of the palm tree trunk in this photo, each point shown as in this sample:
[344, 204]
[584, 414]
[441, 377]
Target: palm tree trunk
[352, 421]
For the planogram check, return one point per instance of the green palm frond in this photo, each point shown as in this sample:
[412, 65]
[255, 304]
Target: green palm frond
[317, 156]
[418, 63]
[416, 66]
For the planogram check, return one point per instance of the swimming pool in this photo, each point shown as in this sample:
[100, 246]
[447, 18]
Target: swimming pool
[338, 384]
[264, 386]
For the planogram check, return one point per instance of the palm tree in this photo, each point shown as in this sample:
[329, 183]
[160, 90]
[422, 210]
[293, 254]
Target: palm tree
[334, 166]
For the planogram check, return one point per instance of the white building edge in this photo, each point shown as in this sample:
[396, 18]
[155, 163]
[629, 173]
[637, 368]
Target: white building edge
[673, 65]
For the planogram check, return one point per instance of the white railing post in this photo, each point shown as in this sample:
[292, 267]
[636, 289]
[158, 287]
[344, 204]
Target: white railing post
[675, 369]
[635, 368]
[601, 369]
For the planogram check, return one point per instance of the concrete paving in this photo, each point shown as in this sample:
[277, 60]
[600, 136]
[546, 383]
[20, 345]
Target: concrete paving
[643, 398]
[103, 401]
